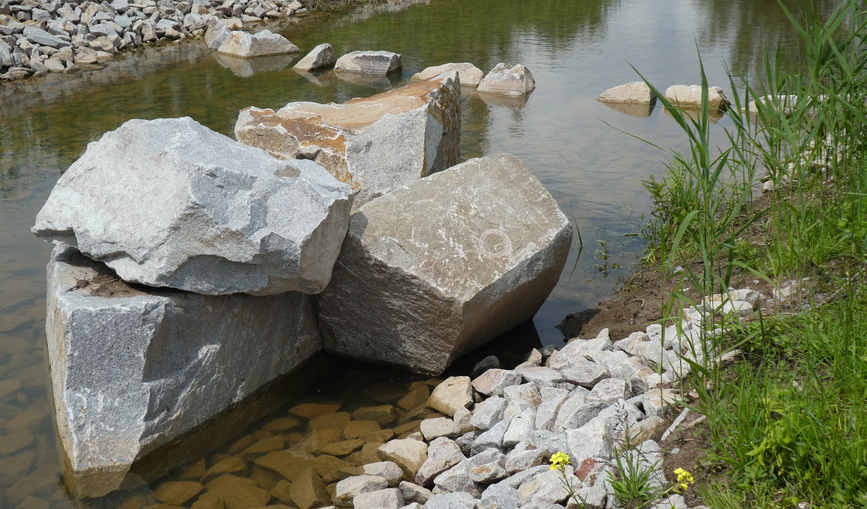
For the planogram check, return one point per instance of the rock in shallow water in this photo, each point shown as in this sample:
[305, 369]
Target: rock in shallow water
[171, 203]
[369, 62]
[134, 368]
[373, 144]
[439, 267]
[510, 80]
[260, 44]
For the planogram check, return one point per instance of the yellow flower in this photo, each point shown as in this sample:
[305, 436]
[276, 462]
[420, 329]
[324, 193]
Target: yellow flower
[684, 479]
[559, 460]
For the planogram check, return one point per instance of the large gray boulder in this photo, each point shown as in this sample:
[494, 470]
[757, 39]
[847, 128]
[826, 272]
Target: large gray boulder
[373, 144]
[438, 267]
[260, 44]
[133, 368]
[689, 96]
[171, 203]
[369, 62]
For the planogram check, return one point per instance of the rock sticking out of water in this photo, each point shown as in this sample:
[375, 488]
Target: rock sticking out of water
[440, 266]
[508, 79]
[689, 96]
[260, 44]
[171, 203]
[470, 74]
[93, 32]
[373, 144]
[369, 62]
[134, 368]
[319, 57]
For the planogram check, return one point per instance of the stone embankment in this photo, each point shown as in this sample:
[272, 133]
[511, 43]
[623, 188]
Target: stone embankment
[37, 36]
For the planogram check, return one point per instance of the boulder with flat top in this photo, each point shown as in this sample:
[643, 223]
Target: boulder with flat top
[134, 368]
[442, 265]
[373, 144]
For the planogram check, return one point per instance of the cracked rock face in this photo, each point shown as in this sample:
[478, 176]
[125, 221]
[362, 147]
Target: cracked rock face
[133, 369]
[170, 203]
[373, 144]
[436, 268]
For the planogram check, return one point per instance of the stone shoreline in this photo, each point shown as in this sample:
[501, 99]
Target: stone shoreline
[38, 37]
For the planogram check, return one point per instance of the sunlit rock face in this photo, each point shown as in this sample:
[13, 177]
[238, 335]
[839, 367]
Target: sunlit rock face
[170, 203]
[374, 144]
[438, 267]
[134, 368]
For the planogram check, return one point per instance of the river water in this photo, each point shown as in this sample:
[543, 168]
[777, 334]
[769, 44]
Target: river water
[576, 146]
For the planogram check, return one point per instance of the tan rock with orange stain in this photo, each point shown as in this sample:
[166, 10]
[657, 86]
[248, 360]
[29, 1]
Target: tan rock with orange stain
[373, 144]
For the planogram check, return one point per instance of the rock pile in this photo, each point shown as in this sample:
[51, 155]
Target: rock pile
[186, 260]
[38, 36]
[486, 442]
[171, 204]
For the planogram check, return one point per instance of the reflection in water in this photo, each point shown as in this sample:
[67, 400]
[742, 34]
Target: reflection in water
[369, 80]
[575, 48]
[713, 115]
[246, 67]
[515, 102]
[631, 109]
[319, 78]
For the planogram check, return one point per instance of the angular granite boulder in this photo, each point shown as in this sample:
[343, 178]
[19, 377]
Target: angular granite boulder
[509, 80]
[369, 62]
[319, 57]
[134, 368]
[373, 144]
[171, 203]
[260, 44]
[440, 266]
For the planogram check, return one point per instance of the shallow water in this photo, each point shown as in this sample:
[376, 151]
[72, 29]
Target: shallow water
[575, 48]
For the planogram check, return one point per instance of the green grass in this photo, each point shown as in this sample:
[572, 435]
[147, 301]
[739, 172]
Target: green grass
[788, 424]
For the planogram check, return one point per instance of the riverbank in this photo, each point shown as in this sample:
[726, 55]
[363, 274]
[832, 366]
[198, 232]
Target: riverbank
[67, 37]
[783, 425]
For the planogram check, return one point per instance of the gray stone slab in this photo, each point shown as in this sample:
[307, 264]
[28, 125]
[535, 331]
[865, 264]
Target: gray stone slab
[439, 267]
[134, 368]
[170, 203]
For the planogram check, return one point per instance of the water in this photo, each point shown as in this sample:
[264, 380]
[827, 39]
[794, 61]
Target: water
[576, 146]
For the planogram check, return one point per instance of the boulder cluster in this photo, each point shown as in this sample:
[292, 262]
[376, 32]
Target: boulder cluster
[38, 36]
[192, 270]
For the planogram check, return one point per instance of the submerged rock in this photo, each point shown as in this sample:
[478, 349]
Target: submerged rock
[260, 44]
[440, 266]
[373, 144]
[171, 203]
[370, 62]
[510, 80]
[470, 74]
[689, 96]
[133, 368]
